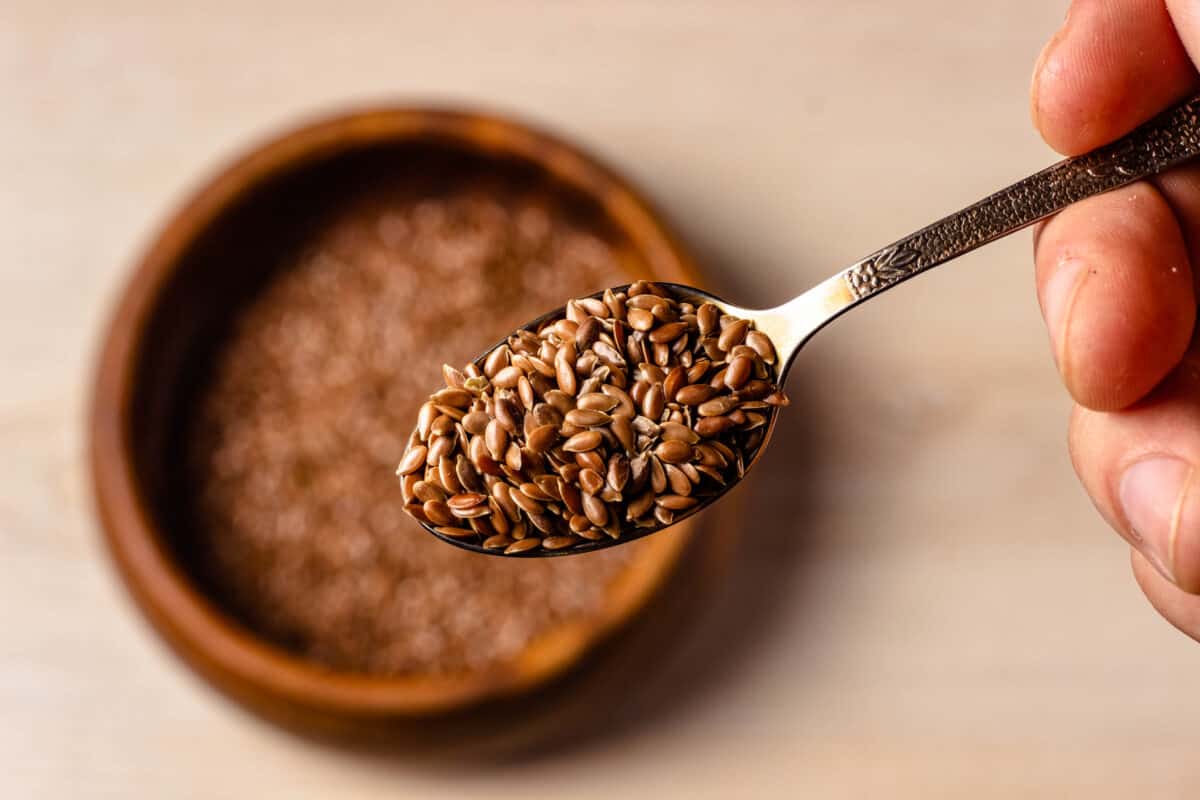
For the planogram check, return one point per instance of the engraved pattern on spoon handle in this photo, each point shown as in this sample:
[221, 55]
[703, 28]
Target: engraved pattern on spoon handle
[1167, 140]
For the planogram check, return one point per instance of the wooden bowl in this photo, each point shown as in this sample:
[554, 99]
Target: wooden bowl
[205, 261]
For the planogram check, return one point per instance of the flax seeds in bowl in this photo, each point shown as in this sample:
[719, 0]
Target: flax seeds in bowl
[298, 522]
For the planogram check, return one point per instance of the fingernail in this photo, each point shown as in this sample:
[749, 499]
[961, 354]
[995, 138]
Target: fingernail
[1152, 494]
[1058, 297]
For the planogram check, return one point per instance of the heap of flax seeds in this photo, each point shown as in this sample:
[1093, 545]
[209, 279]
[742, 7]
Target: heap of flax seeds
[621, 416]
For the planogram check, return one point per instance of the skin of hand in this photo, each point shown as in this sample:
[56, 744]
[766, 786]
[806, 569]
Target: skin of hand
[1117, 279]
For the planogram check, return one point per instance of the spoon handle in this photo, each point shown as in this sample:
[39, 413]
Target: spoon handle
[1165, 141]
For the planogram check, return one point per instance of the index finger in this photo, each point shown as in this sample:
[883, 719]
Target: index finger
[1112, 66]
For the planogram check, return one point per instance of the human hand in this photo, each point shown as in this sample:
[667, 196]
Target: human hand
[1117, 277]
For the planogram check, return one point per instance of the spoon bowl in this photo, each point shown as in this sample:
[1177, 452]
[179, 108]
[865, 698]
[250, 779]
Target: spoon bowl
[780, 324]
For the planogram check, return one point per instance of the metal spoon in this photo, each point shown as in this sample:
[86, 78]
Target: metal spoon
[1166, 141]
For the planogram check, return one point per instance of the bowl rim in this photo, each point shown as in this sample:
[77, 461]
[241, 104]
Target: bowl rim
[228, 655]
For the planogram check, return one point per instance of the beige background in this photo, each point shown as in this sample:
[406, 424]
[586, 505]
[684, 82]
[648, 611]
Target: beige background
[933, 608]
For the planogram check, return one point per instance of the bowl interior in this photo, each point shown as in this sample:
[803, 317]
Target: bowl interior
[236, 255]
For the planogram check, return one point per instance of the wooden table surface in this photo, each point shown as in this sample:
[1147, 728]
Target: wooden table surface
[930, 607]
